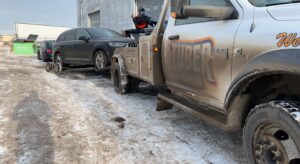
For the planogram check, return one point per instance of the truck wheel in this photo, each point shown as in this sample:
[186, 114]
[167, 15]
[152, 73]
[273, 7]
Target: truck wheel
[271, 134]
[116, 79]
[100, 60]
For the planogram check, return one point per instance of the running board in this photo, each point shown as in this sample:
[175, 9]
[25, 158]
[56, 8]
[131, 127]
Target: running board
[203, 112]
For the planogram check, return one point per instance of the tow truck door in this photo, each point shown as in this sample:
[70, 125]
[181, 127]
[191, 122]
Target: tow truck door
[198, 53]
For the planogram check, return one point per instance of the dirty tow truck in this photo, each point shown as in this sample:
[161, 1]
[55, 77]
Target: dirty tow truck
[232, 63]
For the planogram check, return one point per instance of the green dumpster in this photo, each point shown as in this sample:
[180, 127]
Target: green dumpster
[26, 49]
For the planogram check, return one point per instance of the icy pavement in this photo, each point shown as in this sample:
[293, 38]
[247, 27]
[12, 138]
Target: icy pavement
[77, 117]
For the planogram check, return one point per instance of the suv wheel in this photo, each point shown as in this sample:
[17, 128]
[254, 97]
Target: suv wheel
[101, 61]
[271, 134]
[58, 59]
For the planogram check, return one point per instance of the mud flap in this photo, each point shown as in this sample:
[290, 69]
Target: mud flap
[163, 105]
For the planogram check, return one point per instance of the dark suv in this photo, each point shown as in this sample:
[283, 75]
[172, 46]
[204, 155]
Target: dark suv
[88, 47]
[44, 53]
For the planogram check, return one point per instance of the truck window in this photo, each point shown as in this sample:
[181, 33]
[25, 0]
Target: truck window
[218, 3]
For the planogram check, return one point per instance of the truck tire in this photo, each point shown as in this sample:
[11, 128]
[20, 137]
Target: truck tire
[116, 79]
[272, 133]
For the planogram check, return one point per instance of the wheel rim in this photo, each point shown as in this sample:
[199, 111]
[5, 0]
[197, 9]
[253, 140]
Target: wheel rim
[273, 145]
[100, 61]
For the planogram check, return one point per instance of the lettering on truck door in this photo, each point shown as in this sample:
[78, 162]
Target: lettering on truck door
[199, 61]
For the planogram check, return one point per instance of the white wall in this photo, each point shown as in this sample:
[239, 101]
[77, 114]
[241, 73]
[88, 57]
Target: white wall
[45, 32]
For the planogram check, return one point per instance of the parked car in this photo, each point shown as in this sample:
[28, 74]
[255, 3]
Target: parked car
[44, 52]
[88, 47]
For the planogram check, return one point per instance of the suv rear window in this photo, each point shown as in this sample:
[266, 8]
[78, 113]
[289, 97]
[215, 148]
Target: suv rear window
[49, 43]
[61, 38]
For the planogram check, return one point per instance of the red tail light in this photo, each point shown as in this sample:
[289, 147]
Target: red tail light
[142, 25]
[49, 51]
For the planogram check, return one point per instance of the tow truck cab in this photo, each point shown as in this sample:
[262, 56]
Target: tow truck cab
[232, 63]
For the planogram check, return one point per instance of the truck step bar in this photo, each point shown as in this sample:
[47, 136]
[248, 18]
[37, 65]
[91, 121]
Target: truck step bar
[203, 112]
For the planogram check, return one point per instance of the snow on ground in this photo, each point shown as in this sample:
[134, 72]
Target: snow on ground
[77, 117]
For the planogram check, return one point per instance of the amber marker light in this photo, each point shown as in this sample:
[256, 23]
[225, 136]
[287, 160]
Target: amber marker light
[173, 14]
[155, 49]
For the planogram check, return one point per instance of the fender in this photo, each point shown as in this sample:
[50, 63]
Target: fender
[59, 50]
[121, 62]
[285, 61]
[97, 47]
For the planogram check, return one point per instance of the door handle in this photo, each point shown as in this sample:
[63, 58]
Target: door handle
[174, 37]
[237, 52]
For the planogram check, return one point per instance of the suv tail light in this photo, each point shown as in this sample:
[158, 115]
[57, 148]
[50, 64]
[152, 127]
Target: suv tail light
[49, 51]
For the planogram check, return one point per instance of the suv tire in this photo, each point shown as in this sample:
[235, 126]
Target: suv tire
[100, 61]
[272, 132]
[58, 59]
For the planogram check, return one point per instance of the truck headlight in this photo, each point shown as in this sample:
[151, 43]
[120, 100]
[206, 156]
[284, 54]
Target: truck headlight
[116, 44]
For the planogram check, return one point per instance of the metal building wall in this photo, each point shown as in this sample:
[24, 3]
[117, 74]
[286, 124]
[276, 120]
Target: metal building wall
[114, 14]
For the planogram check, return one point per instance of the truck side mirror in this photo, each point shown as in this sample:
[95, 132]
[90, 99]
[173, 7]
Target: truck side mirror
[203, 11]
[182, 9]
[177, 7]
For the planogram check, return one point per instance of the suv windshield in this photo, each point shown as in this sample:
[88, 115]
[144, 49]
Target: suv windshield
[264, 3]
[103, 33]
